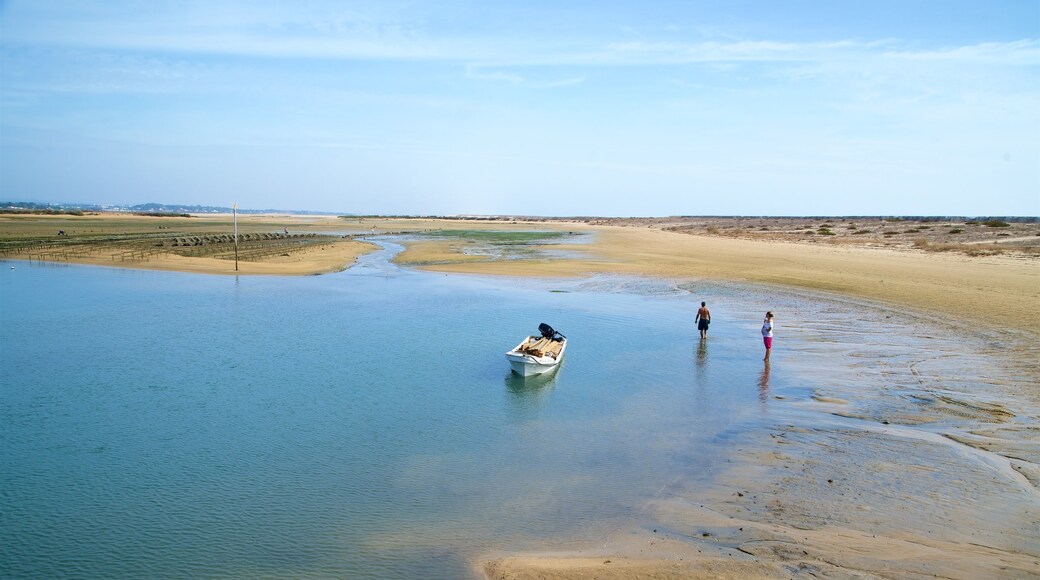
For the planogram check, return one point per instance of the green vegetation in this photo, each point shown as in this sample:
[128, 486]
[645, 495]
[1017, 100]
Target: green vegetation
[858, 232]
[498, 237]
[956, 231]
[825, 232]
[500, 245]
[972, 249]
[996, 224]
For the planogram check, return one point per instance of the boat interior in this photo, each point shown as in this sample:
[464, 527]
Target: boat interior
[541, 346]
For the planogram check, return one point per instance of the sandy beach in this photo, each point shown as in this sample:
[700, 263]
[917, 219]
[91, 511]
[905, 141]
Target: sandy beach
[841, 500]
[333, 256]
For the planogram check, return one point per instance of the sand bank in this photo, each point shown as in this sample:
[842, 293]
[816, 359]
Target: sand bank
[298, 245]
[845, 503]
[997, 291]
[329, 257]
[622, 567]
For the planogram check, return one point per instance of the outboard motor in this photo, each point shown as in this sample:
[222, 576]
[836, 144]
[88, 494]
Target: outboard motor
[548, 332]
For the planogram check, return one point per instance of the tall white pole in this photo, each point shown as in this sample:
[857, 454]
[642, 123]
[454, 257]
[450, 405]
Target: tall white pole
[234, 212]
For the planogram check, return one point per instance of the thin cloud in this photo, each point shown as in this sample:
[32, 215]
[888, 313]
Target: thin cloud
[560, 83]
[479, 72]
[1020, 53]
[388, 32]
[1024, 52]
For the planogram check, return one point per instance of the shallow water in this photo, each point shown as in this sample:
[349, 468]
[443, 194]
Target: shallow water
[365, 424]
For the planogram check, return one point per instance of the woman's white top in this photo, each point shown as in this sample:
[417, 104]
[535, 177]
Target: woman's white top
[767, 327]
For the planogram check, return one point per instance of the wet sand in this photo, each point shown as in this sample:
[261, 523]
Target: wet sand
[913, 453]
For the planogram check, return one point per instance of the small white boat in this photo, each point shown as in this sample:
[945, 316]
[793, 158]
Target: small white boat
[536, 355]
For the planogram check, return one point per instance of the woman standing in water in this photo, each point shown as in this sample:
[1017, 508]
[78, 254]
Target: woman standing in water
[767, 334]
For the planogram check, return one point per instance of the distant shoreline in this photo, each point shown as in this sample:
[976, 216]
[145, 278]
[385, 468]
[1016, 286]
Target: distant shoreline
[161, 208]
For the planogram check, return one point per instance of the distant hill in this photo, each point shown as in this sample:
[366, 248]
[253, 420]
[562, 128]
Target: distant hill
[144, 208]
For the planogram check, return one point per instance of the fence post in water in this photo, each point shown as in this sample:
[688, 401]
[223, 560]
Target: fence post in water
[234, 211]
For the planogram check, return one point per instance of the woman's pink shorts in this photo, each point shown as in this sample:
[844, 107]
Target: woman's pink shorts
[768, 341]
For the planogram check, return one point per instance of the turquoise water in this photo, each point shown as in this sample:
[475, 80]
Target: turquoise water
[357, 424]
[360, 424]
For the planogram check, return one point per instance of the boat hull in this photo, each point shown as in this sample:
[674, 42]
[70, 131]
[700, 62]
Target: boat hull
[527, 368]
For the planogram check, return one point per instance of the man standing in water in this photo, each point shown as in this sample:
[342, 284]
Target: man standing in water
[767, 334]
[703, 319]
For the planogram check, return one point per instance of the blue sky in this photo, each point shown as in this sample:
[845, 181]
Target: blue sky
[541, 108]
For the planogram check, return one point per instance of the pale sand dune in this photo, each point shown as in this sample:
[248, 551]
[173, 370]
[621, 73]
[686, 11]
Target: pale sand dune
[995, 291]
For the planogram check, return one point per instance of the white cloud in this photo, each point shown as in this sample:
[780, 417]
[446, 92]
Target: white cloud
[389, 31]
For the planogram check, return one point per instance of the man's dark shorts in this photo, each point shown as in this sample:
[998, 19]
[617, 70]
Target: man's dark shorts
[702, 324]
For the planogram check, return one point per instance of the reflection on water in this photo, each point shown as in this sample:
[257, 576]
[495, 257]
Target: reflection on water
[524, 386]
[763, 383]
[529, 394]
[702, 353]
[701, 361]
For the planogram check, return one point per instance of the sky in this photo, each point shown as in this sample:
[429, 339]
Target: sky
[603, 108]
